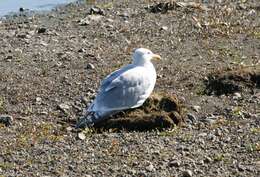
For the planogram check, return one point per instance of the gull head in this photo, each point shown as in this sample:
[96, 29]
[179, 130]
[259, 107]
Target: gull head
[142, 55]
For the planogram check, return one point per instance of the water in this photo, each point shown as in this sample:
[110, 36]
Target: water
[8, 6]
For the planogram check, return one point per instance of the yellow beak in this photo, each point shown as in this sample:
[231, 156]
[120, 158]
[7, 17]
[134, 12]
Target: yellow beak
[156, 57]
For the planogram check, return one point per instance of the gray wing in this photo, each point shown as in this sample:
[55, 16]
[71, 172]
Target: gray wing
[122, 89]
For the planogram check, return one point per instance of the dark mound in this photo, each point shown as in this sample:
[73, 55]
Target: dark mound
[231, 81]
[158, 112]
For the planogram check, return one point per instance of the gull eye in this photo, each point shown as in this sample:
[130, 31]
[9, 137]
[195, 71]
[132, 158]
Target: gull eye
[149, 52]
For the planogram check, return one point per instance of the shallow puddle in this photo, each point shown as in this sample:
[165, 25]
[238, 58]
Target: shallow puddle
[12, 6]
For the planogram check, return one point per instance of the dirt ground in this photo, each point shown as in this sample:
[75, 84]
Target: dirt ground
[51, 65]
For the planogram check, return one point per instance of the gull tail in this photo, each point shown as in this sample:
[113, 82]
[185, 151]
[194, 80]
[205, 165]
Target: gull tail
[88, 120]
[91, 118]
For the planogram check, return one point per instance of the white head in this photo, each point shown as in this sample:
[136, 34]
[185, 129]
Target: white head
[142, 55]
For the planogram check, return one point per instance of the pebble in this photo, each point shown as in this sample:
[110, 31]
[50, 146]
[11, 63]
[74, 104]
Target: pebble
[69, 129]
[240, 167]
[257, 163]
[192, 117]
[64, 107]
[81, 136]
[218, 132]
[196, 108]
[252, 12]
[109, 20]
[150, 168]
[211, 137]
[236, 95]
[38, 100]
[6, 120]
[41, 30]
[207, 160]
[96, 10]
[164, 28]
[210, 120]
[187, 173]
[81, 50]
[174, 163]
[90, 66]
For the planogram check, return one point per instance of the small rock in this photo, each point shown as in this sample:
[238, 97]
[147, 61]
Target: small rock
[210, 120]
[211, 137]
[196, 108]
[81, 136]
[192, 117]
[96, 10]
[44, 113]
[90, 66]
[218, 132]
[6, 120]
[187, 173]
[84, 22]
[236, 95]
[81, 50]
[257, 163]
[94, 17]
[202, 134]
[252, 12]
[125, 15]
[69, 129]
[41, 30]
[109, 20]
[207, 160]
[150, 168]
[174, 163]
[9, 57]
[38, 100]
[240, 167]
[164, 28]
[64, 107]
[142, 174]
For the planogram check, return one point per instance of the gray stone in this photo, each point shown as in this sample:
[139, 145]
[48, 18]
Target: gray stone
[7, 120]
[81, 136]
[63, 107]
[38, 100]
[90, 66]
[174, 163]
[150, 168]
[196, 108]
[236, 95]
[192, 117]
[187, 173]
[207, 160]
[96, 10]
[164, 28]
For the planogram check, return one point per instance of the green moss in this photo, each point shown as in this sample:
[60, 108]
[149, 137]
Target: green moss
[253, 147]
[255, 130]
[38, 134]
[6, 165]
[171, 132]
[2, 105]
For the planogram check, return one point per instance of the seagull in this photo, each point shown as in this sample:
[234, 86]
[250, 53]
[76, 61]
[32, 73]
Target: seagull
[125, 88]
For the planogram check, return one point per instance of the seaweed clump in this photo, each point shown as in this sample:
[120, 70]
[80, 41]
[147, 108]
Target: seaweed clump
[159, 111]
[230, 81]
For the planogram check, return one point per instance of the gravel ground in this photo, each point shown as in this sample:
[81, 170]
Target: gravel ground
[51, 66]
